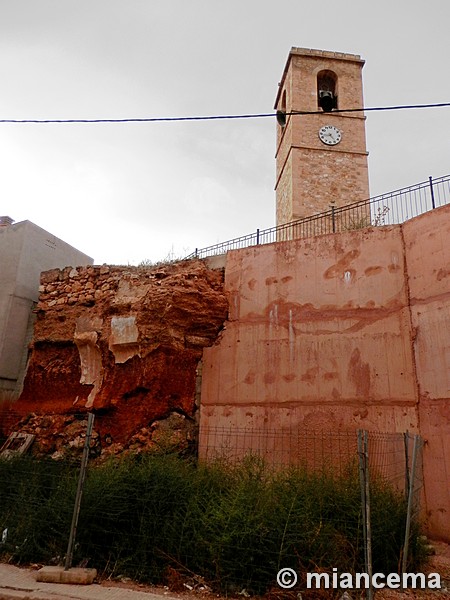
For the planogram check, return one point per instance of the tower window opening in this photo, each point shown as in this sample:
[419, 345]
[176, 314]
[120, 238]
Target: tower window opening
[281, 112]
[327, 90]
[283, 101]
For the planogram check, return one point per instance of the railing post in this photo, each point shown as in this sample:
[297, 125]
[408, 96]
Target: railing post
[430, 179]
[333, 217]
[196, 253]
[257, 236]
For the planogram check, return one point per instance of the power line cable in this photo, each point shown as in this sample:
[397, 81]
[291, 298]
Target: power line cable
[139, 120]
[375, 108]
[222, 117]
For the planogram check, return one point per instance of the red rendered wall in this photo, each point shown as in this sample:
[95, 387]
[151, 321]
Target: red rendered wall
[427, 245]
[322, 335]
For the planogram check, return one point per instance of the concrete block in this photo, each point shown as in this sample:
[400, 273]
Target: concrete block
[79, 576]
[74, 576]
[216, 262]
[49, 574]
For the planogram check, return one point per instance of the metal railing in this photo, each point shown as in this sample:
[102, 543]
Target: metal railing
[387, 209]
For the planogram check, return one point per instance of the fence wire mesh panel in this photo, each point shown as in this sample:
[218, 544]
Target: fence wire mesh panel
[254, 502]
[414, 490]
[386, 209]
[313, 450]
[388, 458]
[415, 472]
[389, 453]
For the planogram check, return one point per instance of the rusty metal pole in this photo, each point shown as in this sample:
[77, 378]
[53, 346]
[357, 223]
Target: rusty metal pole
[363, 452]
[410, 504]
[81, 478]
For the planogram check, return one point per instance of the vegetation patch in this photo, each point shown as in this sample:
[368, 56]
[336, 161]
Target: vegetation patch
[233, 525]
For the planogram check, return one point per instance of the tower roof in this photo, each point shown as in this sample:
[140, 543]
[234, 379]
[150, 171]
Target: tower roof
[313, 53]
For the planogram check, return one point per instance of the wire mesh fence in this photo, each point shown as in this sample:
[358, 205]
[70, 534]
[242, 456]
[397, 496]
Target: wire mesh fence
[253, 502]
[329, 451]
[390, 454]
[385, 459]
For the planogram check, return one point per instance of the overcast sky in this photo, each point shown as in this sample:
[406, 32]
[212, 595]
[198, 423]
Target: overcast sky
[124, 193]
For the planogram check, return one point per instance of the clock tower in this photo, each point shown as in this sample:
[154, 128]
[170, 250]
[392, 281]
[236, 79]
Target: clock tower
[321, 158]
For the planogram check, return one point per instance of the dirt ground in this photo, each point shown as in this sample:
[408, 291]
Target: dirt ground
[191, 588]
[439, 563]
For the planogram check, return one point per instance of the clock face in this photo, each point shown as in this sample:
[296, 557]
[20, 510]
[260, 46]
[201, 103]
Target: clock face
[330, 135]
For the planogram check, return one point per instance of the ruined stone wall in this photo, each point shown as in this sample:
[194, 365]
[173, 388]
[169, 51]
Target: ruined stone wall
[124, 342]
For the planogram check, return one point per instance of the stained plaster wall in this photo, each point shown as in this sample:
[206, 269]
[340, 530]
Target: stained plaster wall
[342, 331]
[428, 264]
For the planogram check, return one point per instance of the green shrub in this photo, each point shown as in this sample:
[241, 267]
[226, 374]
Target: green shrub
[236, 526]
[36, 502]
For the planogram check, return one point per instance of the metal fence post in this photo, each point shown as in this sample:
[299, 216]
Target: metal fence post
[363, 453]
[81, 478]
[430, 179]
[333, 217]
[407, 474]
[410, 504]
[257, 236]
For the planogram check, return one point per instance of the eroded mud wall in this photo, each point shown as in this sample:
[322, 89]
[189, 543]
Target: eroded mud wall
[122, 341]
